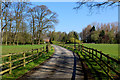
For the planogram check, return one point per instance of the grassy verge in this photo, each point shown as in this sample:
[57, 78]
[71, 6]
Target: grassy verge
[22, 70]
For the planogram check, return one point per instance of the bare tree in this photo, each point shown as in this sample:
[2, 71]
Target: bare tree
[32, 22]
[4, 18]
[91, 4]
[19, 8]
[15, 19]
[46, 19]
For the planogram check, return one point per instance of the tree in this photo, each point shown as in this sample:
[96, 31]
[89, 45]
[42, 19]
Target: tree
[92, 29]
[81, 35]
[4, 18]
[64, 39]
[16, 21]
[32, 23]
[76, 35]
[118, 37]
[73, 34]
[18, 8]
[102, 33]
[46, 19]
[105, 33]
[95, 36]
[111, 36]
[86, 33]
[98, 5]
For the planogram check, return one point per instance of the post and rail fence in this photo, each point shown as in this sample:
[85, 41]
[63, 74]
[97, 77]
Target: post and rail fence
[109, 65]
[15, 60]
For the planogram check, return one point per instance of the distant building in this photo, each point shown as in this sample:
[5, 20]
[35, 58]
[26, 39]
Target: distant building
[46, 39]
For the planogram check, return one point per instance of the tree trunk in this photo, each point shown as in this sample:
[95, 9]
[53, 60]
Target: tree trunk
[6, 39]
[6, 30]
[39, 34]
[18, 32]
[33, 31]
[39, 39]
[10, 32]
[39, 42]
[1, 30]
[17, 42]
[1, 36]
[15, 33]
[15, 38]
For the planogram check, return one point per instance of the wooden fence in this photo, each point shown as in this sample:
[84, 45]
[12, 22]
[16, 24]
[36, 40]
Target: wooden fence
[14, 60]
[109, 65]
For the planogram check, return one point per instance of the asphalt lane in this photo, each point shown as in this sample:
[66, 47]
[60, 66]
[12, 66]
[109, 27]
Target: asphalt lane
[64, 65]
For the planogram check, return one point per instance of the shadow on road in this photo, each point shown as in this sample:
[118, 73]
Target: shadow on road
[64, 65]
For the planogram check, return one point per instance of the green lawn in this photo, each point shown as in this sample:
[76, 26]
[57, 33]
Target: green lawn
[111, 49]
[20, 48]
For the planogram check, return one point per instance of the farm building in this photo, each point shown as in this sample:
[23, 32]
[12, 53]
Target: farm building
[46, 39]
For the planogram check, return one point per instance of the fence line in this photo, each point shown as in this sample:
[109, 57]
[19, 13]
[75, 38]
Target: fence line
[101, 59]
[10, 64]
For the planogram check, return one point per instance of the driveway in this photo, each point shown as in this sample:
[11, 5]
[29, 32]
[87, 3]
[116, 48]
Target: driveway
[64, 65]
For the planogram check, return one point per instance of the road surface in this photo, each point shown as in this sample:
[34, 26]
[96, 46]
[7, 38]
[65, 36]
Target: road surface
[63, 65]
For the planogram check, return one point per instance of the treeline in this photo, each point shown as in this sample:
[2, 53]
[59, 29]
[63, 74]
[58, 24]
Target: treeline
[71, 37]
[24, 23]
[101, 33]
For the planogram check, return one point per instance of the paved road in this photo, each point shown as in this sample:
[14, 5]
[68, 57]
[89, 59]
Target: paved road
[64, 65]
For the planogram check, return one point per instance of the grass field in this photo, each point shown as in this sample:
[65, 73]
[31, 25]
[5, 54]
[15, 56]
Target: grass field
[111, 49]
[19, 48]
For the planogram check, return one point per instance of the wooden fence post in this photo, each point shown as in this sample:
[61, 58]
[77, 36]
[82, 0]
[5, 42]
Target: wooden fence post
[10, 65]
[89, 53]
[24, 59]
[108, 62]
[88, 50]
[79, 47]
[32, 54]
[47, 48]
[92, 53]
[96, 55]
[73, 47]
[100, 57]
[32, 51]
[37, 52]
[40, 50]
[43, 49]
[82, 47]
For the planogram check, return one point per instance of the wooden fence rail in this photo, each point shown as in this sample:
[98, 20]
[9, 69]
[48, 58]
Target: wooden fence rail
[12, 59]
[108, 64]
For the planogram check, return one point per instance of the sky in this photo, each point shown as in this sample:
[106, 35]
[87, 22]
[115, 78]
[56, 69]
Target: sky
[76, 20]
[67, 0]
